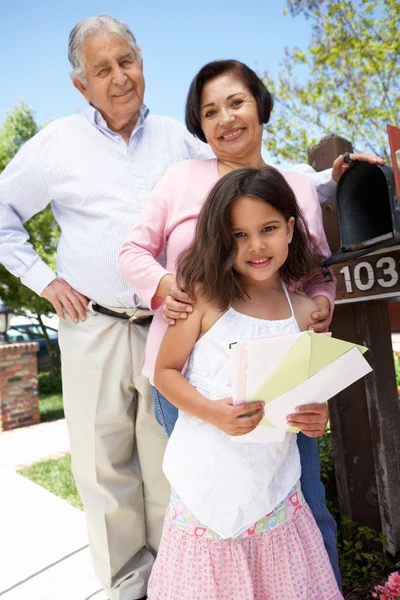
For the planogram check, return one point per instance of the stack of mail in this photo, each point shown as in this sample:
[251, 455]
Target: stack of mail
[291, 370]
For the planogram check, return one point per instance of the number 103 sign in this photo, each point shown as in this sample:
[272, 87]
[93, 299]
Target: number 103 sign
[371, 277]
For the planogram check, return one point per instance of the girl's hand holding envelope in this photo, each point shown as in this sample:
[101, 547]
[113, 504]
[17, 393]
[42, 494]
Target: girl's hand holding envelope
[310, 419]
[288, 372]
[234, 420]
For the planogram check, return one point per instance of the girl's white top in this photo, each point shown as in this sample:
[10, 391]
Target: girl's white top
[228, 486]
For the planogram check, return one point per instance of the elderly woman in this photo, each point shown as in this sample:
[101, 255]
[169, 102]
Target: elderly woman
[227, 106]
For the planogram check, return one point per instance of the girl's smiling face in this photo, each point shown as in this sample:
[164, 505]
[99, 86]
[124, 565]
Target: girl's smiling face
[262, 236]
[229, 118]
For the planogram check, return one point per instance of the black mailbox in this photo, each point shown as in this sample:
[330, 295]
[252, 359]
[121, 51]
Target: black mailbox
[367, 211]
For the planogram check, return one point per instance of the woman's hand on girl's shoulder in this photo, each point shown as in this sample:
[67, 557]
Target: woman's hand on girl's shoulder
[322, 314]
[177, 304]
[304, 308]
[235, 420]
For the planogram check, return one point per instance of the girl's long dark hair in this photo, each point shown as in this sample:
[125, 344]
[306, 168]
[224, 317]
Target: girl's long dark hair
[209, 259]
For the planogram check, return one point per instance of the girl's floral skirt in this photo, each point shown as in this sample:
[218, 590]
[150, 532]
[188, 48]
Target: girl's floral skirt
[282, 557]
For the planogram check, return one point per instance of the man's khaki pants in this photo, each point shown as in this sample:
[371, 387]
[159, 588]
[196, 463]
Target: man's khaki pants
[116, 446]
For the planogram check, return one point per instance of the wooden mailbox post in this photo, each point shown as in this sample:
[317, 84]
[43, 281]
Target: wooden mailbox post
[365, 417]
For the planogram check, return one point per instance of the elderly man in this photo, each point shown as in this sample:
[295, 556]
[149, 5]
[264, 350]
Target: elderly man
[97, 168]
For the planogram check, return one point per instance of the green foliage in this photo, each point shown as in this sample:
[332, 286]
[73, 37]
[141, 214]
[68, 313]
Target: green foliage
[361, 556]
[351, 85]
[43, 233]
[49, 384]
[19, 127]
[396, 359]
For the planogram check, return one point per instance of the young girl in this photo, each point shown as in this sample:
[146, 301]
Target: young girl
[237, 526]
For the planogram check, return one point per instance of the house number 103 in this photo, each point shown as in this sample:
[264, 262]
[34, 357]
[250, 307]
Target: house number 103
[364, 275]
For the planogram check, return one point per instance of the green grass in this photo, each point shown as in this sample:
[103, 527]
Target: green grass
[51, 407]
[55, 475]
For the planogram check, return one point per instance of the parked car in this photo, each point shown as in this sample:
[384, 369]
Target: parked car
[33, 333]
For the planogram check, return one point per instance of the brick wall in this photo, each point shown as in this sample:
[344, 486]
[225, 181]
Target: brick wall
[18, 385]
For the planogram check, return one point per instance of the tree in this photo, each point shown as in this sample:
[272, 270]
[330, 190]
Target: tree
[18, 127]
[352, 82]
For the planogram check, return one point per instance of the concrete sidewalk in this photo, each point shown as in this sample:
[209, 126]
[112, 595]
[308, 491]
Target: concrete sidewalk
[43, 545]
[24, 446]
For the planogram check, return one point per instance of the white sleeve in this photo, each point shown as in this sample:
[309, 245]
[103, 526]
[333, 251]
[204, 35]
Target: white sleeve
[23, 193]
[197, 150]
[321, 180]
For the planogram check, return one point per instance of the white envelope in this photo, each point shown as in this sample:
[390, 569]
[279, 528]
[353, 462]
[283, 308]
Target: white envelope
[287, 371]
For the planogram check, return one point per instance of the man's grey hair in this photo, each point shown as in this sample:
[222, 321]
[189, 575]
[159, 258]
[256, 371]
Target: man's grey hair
[93, 26]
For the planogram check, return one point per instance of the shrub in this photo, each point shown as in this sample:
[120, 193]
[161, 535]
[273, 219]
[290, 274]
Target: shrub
[396, 358]
[361, 557]
[48, 383]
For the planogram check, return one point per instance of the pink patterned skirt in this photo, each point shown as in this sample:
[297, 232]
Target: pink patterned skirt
[287, 562]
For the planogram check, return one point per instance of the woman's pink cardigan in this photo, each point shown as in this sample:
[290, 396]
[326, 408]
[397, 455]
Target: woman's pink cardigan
[168, 224]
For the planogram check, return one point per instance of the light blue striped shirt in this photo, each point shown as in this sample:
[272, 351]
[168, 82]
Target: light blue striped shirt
[97, 186]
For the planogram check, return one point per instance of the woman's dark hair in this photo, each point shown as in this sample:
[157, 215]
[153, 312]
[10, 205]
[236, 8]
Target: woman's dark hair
[215, 69]
[209, 259]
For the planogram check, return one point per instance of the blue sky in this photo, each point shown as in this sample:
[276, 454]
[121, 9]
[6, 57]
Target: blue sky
[177, 38]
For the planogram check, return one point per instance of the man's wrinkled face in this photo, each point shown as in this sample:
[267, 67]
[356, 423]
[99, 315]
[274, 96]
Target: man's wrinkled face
[115, 82]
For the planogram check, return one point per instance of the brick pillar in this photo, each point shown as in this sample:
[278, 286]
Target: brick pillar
[19, 404]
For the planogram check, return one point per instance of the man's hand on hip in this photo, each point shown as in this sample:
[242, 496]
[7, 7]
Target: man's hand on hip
[63, 297]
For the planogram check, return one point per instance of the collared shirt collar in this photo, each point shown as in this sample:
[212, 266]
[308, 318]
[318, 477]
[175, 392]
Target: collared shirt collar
[98, 120]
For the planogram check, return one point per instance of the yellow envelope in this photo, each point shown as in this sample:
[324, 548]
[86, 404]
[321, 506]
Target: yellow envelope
[311, 353]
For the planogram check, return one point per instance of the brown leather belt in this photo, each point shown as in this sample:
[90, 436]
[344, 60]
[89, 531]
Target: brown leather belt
[141, 321]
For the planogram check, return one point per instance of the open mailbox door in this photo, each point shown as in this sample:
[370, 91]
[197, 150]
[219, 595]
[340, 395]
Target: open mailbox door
[367, 201]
